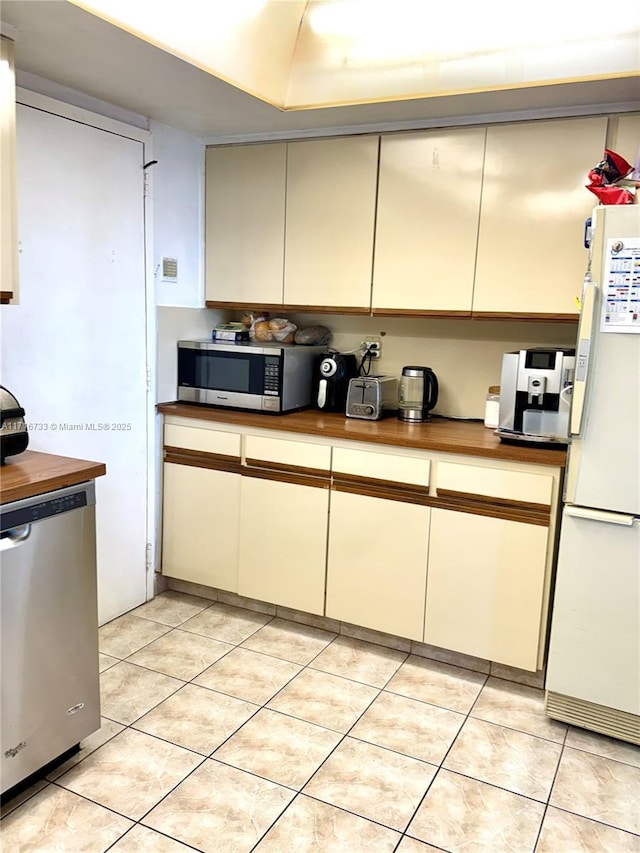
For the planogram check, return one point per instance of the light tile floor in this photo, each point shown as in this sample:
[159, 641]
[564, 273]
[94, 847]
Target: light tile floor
[229, 731]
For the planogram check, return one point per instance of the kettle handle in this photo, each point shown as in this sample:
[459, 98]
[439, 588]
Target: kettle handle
[430, 390]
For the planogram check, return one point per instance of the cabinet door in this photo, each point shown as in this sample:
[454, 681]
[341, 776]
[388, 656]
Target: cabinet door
[485, 587]
[427, 221]
[331, 192]
[377, 563]
[283, 543]
[244, 228]
[531, 257]
[200, 525]
[8, 214]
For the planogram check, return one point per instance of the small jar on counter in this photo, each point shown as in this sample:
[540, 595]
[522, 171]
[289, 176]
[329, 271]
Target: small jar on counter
[492, 407]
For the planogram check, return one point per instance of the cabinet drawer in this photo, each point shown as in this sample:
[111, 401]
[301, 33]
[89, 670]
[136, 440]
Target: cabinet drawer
[290, 454]
[389, 467]
[493, 483]
[205, 440]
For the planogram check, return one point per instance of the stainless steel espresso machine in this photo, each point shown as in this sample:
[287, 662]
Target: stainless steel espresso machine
[535, 395]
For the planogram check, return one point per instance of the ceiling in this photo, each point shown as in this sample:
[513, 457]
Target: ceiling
[62, 43]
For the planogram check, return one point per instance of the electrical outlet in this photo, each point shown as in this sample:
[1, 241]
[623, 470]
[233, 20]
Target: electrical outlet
[371, 345]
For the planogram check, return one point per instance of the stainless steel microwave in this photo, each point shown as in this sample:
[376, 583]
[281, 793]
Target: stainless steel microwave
[262, 377]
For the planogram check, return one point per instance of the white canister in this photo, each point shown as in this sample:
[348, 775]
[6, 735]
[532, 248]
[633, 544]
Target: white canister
[492, 407]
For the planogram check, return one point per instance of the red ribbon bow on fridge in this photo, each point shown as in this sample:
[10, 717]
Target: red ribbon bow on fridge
[602, 179]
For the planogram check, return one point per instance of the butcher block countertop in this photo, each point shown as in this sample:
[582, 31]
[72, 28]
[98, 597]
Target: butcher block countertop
[470, 438]
[32, 473]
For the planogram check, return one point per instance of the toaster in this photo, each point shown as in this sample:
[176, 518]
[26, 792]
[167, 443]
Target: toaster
[371, 397]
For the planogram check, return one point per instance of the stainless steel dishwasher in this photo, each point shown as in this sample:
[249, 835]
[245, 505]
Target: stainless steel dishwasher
[49, 628]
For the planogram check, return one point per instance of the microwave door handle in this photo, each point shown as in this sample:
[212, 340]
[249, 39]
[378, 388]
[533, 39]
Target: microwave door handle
[583, 355]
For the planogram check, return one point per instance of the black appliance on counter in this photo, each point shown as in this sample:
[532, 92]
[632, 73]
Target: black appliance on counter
[333, 375]
[14, 437]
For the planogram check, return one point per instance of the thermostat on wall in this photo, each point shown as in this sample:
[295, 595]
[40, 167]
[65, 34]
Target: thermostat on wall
[169, 269]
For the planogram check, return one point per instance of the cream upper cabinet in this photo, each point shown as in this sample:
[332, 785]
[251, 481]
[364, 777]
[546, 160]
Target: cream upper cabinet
[427, 221]
[331, 198]
[245, 210]
[531, 258]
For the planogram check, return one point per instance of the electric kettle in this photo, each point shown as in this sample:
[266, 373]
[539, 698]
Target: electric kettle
[418, 393]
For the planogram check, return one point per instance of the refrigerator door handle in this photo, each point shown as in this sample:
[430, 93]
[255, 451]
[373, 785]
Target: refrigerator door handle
[583, 350]
[600, 515]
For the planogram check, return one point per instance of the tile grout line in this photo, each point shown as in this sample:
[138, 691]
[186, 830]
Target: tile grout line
[444, 757]
[207, 757]
[332, 751]
[210, 755]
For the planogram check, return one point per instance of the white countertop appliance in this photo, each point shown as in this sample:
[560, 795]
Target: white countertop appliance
[593, 675]
[535, 395]
[49, 630]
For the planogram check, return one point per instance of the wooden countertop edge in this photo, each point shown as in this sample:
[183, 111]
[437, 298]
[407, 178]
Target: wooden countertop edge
[472, 438]
[32, 473]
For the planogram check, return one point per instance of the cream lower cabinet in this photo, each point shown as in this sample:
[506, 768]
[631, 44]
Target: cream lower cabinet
[456, 552]
[378, 541]
[377, 566]
[201, 507]
[284, 510]
[490, 551]
[485, 587]
[200, 542]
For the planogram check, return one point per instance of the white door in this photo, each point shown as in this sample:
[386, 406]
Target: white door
[594, 651]
[74, 350]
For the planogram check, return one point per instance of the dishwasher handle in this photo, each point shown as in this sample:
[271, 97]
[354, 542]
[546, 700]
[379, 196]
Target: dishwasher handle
[14, 537]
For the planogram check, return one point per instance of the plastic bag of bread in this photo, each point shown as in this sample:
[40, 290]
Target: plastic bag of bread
[313, 335]
[250, 318]
[282, 330]
[261, 331]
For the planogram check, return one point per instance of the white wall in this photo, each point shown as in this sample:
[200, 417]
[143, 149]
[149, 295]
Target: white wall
[178, 214]
[172, 325]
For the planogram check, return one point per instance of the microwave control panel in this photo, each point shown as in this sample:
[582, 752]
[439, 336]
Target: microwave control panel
[271, 376]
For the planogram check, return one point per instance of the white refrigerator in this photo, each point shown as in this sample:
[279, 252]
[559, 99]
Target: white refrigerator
[593, 673]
